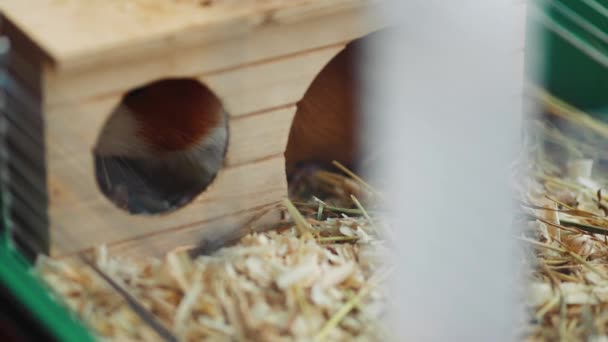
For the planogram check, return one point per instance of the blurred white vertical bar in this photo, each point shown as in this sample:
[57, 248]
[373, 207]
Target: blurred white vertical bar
[444, 103]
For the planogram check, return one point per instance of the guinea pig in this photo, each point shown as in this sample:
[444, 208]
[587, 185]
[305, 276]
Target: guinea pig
[161, 146]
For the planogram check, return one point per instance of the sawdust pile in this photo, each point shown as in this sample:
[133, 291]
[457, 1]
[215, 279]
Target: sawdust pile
[318, 278]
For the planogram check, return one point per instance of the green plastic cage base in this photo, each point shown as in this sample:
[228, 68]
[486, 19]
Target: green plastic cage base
[17, 276]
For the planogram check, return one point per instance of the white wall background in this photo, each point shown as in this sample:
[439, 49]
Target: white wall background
[445, 104]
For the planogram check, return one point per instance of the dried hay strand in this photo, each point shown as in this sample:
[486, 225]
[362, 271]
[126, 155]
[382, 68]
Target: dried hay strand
[318, 278]
[567, 227]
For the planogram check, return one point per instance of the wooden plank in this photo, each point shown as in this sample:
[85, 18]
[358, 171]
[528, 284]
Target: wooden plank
[237, 224]
[270, 84]
[80, 216]
[71, 130]
[84, 223]
[259, 135]
[73, 183]
[88, 32]
[252, 137]
[258, 76]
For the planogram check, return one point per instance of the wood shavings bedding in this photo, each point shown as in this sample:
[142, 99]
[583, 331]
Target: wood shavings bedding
[566, 241]
[273, 286]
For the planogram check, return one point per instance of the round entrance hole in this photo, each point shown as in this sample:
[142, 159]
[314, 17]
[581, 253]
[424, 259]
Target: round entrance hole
[326, 123]
[161, 146]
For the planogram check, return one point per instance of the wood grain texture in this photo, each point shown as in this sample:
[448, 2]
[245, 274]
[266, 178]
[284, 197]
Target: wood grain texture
[272, 84]
[85, 223]
[258, 56]
[72, 129]
[252, 137]
[81, 217]
[85, 33]
[222, 229]
[259, 135]
[61, 90]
